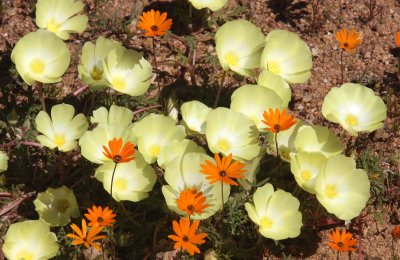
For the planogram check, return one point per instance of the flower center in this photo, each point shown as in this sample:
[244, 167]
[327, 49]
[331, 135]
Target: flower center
[59, 140]
[118, 83]
[340, 244]
[117, 158]
[277, 127]
[37, 66]
[274, 67]
[232, 59]
[346, 45]
[100, 219]
[351, 120]
[120, 184]
[154, 150]
[190, 208]
[24, 255]
[53, 26]
[223, 145]
[185, 238]
[331, 191]
[96, 73]
[266, 222]
[222, 173]
[306, 175]
[62, 205]
[154, 28]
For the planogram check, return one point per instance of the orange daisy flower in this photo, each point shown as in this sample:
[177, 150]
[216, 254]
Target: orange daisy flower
[154, 23]
[223, 170]
[396, 232]
[117, 153]
[191, 202]
[100, 217]
[348, 42]
[278, 121]
[186, 236]
[81, 237]
[342, 242]
[398, 39]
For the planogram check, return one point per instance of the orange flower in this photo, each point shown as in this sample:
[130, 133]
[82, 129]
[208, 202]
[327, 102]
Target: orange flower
[186, 236]
[396, 232]
[86, 239]
[348, 42]
[398, 39]
[278, 121]
[117, 153]
[100, 217]
[154, 23]
[191, 201]
[342, 242]
[223, 171]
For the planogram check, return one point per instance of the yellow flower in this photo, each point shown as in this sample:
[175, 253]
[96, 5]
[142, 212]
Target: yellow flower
[61, 130]
[355, 107]
[276, 213]
[57, 16]
[41, 56]
[30, 239]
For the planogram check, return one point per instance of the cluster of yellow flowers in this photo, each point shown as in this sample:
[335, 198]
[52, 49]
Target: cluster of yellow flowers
[197, 185]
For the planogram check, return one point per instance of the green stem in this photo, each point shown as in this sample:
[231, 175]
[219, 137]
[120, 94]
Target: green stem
[157, 76]
[222, 196]
[277, 153]
[341, 68]
[112, 179]
[219, 90]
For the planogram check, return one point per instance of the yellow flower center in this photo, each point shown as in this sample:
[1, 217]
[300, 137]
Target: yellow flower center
[62, 205]
[351, 120]
[24, 255]
[53, 26]
[274, 67]
[59, 140]
[224, 145]
[306, 175]
[154, 150]
[37, 66]
[97, 73]
[232, 59]
[266, 222]
[120, 184]
[118, 83]
[331, 191]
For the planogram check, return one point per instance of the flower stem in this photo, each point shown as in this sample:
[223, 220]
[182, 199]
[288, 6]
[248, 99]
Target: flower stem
[341, 68]
[157, 76]
[112, 179]
[219, 90]
[277, 153]
[221, 224]
[222, 197]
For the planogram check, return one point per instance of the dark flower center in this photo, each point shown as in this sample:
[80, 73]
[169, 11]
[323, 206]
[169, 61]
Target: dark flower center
[154, 28]
[340, 244]
[117, 158]
[222, 173]
[185, 238]
[190, 208]
[346, 45]
[84, 239]
[100, 219]
[277, 127]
